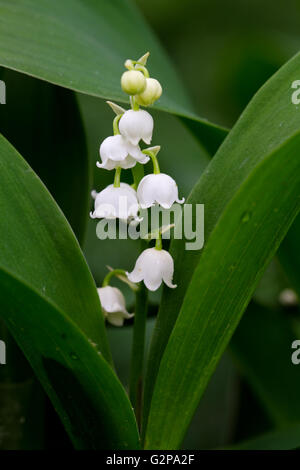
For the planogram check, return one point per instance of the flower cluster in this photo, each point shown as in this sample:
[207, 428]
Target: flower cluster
[123, 151]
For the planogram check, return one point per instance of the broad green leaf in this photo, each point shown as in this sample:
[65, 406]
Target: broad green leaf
[90, 400]
[247, 235]
[83, 46]
[51, 306]
[43, 123]
[262, 346]
[39, 246]
[267, 122]
[283, 439]
[40, 120]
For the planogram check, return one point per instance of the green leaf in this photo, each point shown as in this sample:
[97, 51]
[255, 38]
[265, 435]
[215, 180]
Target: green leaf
[51, 306]
[41, 120]
[262, 346]
[90, 400]
[39, 246]
[243, 156]
[97, 37]
[239, 248]
[283, 439]
[268, 121]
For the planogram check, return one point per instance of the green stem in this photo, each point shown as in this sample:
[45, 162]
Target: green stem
[116, 124]
[158, 243]
[114, 272]
[156, 169]
[134, 104]
[117, 178]
[137, 352]
[142, 69]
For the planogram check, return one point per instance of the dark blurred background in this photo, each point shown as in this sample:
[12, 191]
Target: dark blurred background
[223, 52]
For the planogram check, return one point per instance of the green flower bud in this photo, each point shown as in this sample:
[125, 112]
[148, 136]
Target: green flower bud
[151, 93]
[133, 82]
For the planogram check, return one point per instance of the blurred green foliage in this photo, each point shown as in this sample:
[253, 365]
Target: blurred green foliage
[224, 51]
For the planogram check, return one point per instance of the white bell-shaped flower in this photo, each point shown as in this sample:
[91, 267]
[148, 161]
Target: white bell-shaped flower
[153, 266]
[117, 151]
[136, 125]
[113, 305]
[112, 203]
[158, 188]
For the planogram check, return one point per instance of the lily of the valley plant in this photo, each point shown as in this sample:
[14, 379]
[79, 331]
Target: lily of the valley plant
[132, 129]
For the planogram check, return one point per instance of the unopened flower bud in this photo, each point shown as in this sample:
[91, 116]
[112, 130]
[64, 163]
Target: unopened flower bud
[133, 82]
[151, 93]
